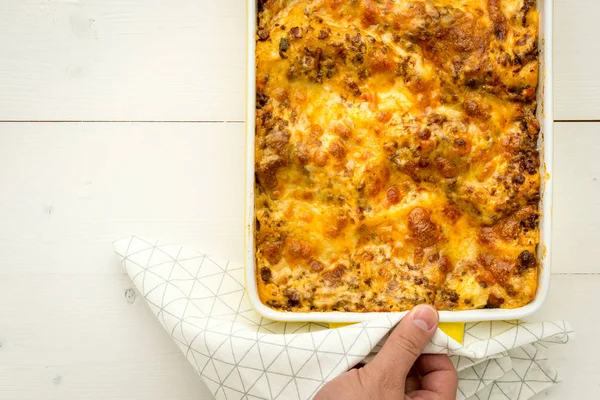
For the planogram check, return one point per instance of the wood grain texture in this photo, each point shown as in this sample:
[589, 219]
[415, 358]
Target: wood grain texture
[67, 329]
[75, 337]
[576, 59]
[146, 378]
[131, 60]
[69, 190]
[576, 206]
[79, 186]
[574, 298]
[122, 60]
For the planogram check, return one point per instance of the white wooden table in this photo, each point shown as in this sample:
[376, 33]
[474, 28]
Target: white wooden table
[126, 116]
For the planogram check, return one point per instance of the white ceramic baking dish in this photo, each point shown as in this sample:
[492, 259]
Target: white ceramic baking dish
[545, 113]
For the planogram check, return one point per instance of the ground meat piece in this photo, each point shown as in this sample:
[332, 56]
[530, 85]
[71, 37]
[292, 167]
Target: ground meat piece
[323, 35]
[272, 251]
[498, 18]
[335, 275]
[278, 141]
[424, 134]
[292, 296]
[316, 266]
[450, 295]
[531, 165]
[447, 168]
[530, 221]
[527, 260]
[435, 118]
[296, 32]
[267, 170]
[354, 88]
[475, 110]
[494, 302]
[266, 274]
[263, 34]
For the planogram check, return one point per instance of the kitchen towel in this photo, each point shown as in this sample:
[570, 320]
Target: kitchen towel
[200, 301]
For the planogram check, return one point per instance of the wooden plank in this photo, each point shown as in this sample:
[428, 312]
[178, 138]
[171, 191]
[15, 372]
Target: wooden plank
[576, 56]
[184, 60]
[147, 378]
[77, 336]
[122, 60]
[69, 190]
[56, 319]
[80, 186]
[574, 298]
[576, 208]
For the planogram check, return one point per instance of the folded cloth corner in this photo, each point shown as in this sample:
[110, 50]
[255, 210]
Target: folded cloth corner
[200, 300]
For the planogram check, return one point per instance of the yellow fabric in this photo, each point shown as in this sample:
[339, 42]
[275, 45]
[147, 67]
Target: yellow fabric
[456, 330]
[335, 326]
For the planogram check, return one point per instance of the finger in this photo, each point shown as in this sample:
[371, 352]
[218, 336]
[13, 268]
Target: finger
[438, 375]
[425, 395]
[413, 381]
[406, 343]
[414, 371]
[358, 366]
[428, 363]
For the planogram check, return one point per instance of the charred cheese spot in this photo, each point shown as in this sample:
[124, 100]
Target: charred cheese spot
[424, 231]
[396, 154]
[299, 250]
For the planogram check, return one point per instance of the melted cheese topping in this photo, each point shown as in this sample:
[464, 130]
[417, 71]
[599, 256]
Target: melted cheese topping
[396, 154]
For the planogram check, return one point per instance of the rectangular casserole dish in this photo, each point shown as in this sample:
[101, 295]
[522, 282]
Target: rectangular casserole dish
[545, 115]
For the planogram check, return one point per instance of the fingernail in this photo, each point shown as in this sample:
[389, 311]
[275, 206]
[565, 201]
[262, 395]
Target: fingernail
[425, 317]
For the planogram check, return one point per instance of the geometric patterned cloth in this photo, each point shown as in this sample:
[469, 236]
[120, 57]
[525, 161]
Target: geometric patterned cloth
[201, 302]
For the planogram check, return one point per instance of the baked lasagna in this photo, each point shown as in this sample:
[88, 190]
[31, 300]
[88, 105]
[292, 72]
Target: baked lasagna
[396, 154]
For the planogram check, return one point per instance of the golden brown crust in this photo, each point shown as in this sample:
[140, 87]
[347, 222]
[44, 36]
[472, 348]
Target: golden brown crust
[396, 154]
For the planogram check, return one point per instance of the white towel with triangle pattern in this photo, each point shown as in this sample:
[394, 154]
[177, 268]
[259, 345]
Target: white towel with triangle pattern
[200, 301]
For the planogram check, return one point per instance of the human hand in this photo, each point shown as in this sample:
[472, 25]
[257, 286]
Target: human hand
[399, 370]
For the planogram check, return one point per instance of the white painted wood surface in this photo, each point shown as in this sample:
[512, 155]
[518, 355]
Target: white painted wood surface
[67, 330]
[576, 59]
[183, 60]
[126, 60]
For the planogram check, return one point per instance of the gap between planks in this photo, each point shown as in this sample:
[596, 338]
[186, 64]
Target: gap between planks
[117, 122]
[9, 121]
[576, 121]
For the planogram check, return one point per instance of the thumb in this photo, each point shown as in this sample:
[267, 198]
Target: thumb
[406, 343]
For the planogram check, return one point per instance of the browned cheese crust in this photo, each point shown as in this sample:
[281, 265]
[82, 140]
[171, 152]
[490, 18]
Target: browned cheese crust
[396, 154]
